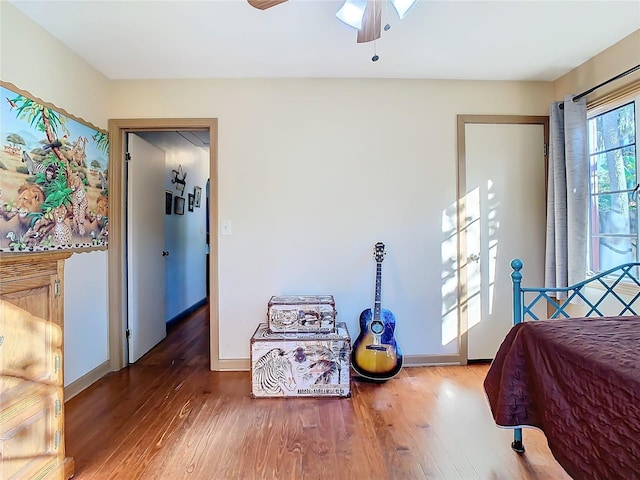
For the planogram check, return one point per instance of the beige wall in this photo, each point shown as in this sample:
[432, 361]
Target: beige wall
[607, 64]
[313, 172]
[34, 61]
[37, 63]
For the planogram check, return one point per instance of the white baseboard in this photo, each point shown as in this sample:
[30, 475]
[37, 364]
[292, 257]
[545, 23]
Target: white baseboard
[431, 360]
[244, 364]
[85, 381]
[234, 364]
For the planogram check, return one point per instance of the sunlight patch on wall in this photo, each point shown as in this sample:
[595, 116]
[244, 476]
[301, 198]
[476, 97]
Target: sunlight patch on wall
[493, 226]
[493, 260]
[480, 228]
[472, 226]
[449, 281]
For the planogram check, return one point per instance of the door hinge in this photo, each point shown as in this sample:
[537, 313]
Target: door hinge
[544, 149]
[127, 156]
[56, 288]
[128, 333]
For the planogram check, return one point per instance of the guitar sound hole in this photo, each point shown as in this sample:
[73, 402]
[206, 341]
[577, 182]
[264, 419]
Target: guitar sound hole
[377, 328]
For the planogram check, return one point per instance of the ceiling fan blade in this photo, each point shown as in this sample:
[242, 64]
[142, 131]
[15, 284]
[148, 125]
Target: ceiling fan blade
[264, 4]
[371, 22]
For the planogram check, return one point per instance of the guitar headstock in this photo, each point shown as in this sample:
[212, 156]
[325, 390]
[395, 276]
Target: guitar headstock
[378, 252]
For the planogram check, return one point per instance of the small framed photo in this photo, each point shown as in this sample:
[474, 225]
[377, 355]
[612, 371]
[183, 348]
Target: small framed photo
[191, 201]
[168, 202]
[197, 191]
[178, 205]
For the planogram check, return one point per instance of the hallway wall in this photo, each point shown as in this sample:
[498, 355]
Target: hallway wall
[184, 234]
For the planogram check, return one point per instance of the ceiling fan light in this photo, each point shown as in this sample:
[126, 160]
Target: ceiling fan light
[352, 12]
[403, 6]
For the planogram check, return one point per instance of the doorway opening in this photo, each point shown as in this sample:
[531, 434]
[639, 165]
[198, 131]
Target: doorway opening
[119, 259]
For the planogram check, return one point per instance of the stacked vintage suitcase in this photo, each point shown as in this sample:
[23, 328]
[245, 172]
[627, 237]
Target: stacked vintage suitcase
[301, 351]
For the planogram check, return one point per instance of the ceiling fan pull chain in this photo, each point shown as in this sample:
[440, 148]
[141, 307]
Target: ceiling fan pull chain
[375, 57]
[385, 15]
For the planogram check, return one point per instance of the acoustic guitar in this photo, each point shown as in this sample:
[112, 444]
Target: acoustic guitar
[375, 354]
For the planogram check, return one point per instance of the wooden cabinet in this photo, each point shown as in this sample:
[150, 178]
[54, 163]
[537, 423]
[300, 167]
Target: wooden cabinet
[31, 367]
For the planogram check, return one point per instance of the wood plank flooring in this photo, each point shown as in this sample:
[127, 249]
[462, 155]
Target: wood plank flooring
[168, 417]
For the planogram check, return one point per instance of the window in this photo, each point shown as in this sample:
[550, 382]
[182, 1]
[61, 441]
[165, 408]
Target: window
[613, 186]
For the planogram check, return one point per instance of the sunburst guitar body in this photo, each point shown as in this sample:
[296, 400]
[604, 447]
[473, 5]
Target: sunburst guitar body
[376, 354]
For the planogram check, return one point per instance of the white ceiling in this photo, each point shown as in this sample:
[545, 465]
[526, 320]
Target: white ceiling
[475, 40]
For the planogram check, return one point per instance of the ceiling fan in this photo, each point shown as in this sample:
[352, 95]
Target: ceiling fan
[364, 15]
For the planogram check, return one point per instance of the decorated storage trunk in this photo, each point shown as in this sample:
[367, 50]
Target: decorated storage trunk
[301, 313]
[300, 364]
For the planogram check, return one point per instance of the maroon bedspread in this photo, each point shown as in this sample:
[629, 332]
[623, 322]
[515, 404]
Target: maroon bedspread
[578, 380]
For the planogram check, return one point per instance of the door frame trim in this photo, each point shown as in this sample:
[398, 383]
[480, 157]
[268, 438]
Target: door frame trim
[116, 252]
[462, 122]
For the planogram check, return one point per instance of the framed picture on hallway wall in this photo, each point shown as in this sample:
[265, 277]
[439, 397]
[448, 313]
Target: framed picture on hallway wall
[178, 205]
[197, 191]
[168, 202]
[191, 200]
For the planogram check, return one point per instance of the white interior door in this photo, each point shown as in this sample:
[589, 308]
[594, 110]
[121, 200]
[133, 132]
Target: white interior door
[145, 247]
[506, 211]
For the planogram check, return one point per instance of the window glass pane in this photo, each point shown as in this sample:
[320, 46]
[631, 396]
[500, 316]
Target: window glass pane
[606, 254]
[615, 214]
[612, 129]
[614, 170]
[613, 223]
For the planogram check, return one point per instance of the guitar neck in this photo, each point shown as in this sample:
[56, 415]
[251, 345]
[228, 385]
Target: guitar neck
[377, 302]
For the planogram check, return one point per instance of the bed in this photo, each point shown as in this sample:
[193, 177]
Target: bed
[576, 379]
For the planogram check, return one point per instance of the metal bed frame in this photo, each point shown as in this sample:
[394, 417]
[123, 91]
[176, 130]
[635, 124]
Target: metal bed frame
[525, 299]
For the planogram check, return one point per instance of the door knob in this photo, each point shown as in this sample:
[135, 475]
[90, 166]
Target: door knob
[474, 257]
[165, 253]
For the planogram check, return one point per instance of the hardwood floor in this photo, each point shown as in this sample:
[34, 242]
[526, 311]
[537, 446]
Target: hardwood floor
[169, 417]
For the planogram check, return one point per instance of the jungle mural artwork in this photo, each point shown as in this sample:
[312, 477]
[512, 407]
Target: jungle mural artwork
[54, 189]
